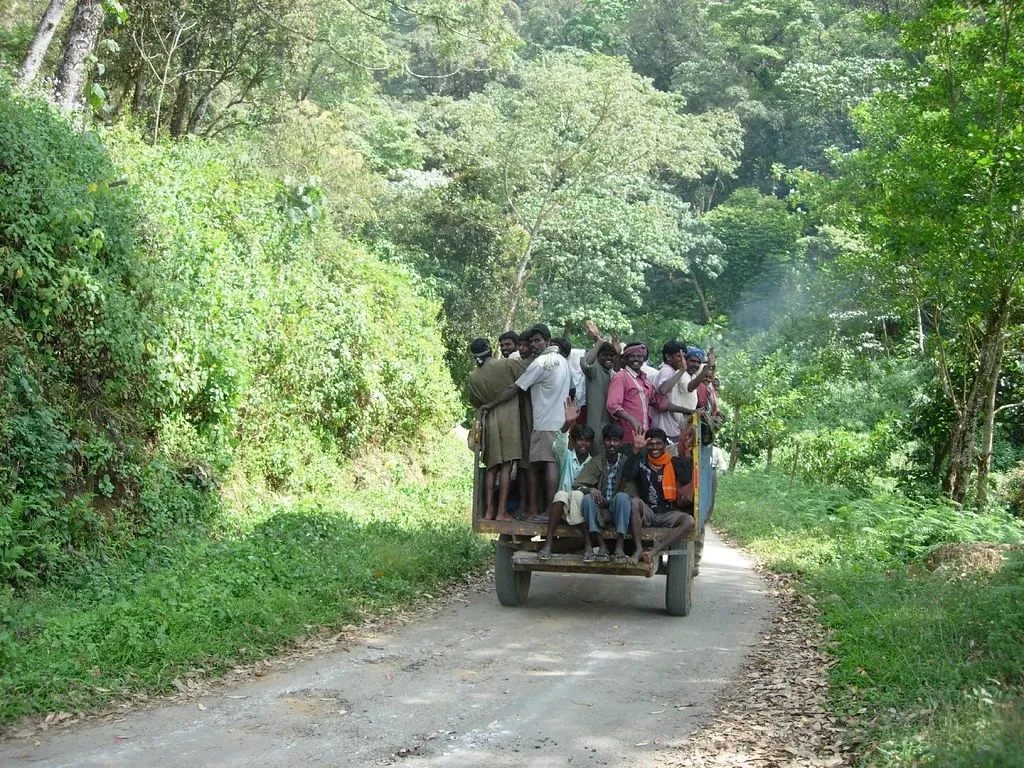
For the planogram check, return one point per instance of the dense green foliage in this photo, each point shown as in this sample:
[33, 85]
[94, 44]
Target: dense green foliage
[257, 246]
[201, 604]
[929, 663]
[172, 317]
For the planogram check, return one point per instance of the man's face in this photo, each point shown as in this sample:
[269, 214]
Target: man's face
[655, 447]
[635, 360]
[583, 445]
[606, 359]
[524, 348]
[538, 344]
[678, 360]
[692, 365]
[507, 347]
[611, 448]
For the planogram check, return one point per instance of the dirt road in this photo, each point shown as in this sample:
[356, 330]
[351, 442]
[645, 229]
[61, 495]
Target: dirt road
[592, 672]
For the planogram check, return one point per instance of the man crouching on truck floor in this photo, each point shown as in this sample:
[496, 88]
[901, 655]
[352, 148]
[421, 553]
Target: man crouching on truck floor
[568, 501]
[604, 502]
[664, 484]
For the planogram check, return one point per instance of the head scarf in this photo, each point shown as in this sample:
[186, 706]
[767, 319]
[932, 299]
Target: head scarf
[480, 349]
[696, 352]
[636, 346]
[668, 476]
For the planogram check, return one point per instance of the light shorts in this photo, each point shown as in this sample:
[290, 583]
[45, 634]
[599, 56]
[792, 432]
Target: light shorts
[573, 501]
[665, 517]
[542, 446]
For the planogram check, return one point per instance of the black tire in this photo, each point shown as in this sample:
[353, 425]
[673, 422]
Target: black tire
[511, 585]
[678, 582]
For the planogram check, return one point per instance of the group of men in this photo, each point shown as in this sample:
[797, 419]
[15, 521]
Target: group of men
[598, 438]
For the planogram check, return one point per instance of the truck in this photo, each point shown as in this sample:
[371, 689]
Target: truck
[517, 543]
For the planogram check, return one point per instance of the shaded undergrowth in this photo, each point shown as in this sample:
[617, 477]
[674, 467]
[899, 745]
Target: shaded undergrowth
[206, 600]
[928, 664]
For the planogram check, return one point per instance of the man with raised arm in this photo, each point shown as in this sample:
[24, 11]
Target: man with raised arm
[597, 369]
[663, 476]
[502, 441]
[568, 501]
[632, 398]
[547, 380]
[672, 380]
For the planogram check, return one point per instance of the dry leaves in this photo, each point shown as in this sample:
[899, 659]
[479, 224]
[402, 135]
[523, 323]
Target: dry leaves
[774, 715]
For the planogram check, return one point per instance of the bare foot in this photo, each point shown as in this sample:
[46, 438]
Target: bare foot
[504, 517]
[638, 556]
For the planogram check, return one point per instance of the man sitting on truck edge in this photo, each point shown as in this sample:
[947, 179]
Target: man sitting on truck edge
[568, 502]
[604, 502]
[664, 484]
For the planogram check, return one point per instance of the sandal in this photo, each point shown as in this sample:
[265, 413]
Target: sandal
[544, 554]
[603, 557]
[589, 556]
[620, 558]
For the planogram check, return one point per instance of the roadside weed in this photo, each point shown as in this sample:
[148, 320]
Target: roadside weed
[928, 666]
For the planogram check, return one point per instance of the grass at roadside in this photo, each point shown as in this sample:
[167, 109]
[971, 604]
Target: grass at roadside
[929, 667]
[210, 600]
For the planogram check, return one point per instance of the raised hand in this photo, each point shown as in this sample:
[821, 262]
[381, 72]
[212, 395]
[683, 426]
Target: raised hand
[639, 442]
[592, 330]
[572, 412]
[686, 439]
[616, 344]
[711, 357]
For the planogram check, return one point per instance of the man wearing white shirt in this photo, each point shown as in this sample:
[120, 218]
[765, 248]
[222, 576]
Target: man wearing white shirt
[673, 381]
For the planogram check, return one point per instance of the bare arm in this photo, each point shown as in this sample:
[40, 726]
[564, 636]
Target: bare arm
[510, 391]
[666, 386]
[704, 374]
[595, 334]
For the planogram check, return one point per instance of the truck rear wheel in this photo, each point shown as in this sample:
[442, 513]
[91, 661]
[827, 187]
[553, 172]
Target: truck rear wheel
[511, 585]
[678, 580]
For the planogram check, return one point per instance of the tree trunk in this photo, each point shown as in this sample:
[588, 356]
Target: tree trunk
[734, 447]
[520, 282]
[705, 312]
[41, 42]
[768, 462]
[180, 111]
[71, 75]
[987, 441]
[139, 92]
[990, 358]
[199, 112]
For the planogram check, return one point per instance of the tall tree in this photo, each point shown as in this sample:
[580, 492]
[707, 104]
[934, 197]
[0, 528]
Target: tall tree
[41, 41]
[73, 70]
[937, 190]
[568, 125]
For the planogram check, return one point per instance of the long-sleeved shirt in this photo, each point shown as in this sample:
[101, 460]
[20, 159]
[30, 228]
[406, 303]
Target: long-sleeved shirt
[631, 392]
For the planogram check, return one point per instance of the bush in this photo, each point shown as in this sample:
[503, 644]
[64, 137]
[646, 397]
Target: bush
[168, 310]
[1012, 490]
[79, 392]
